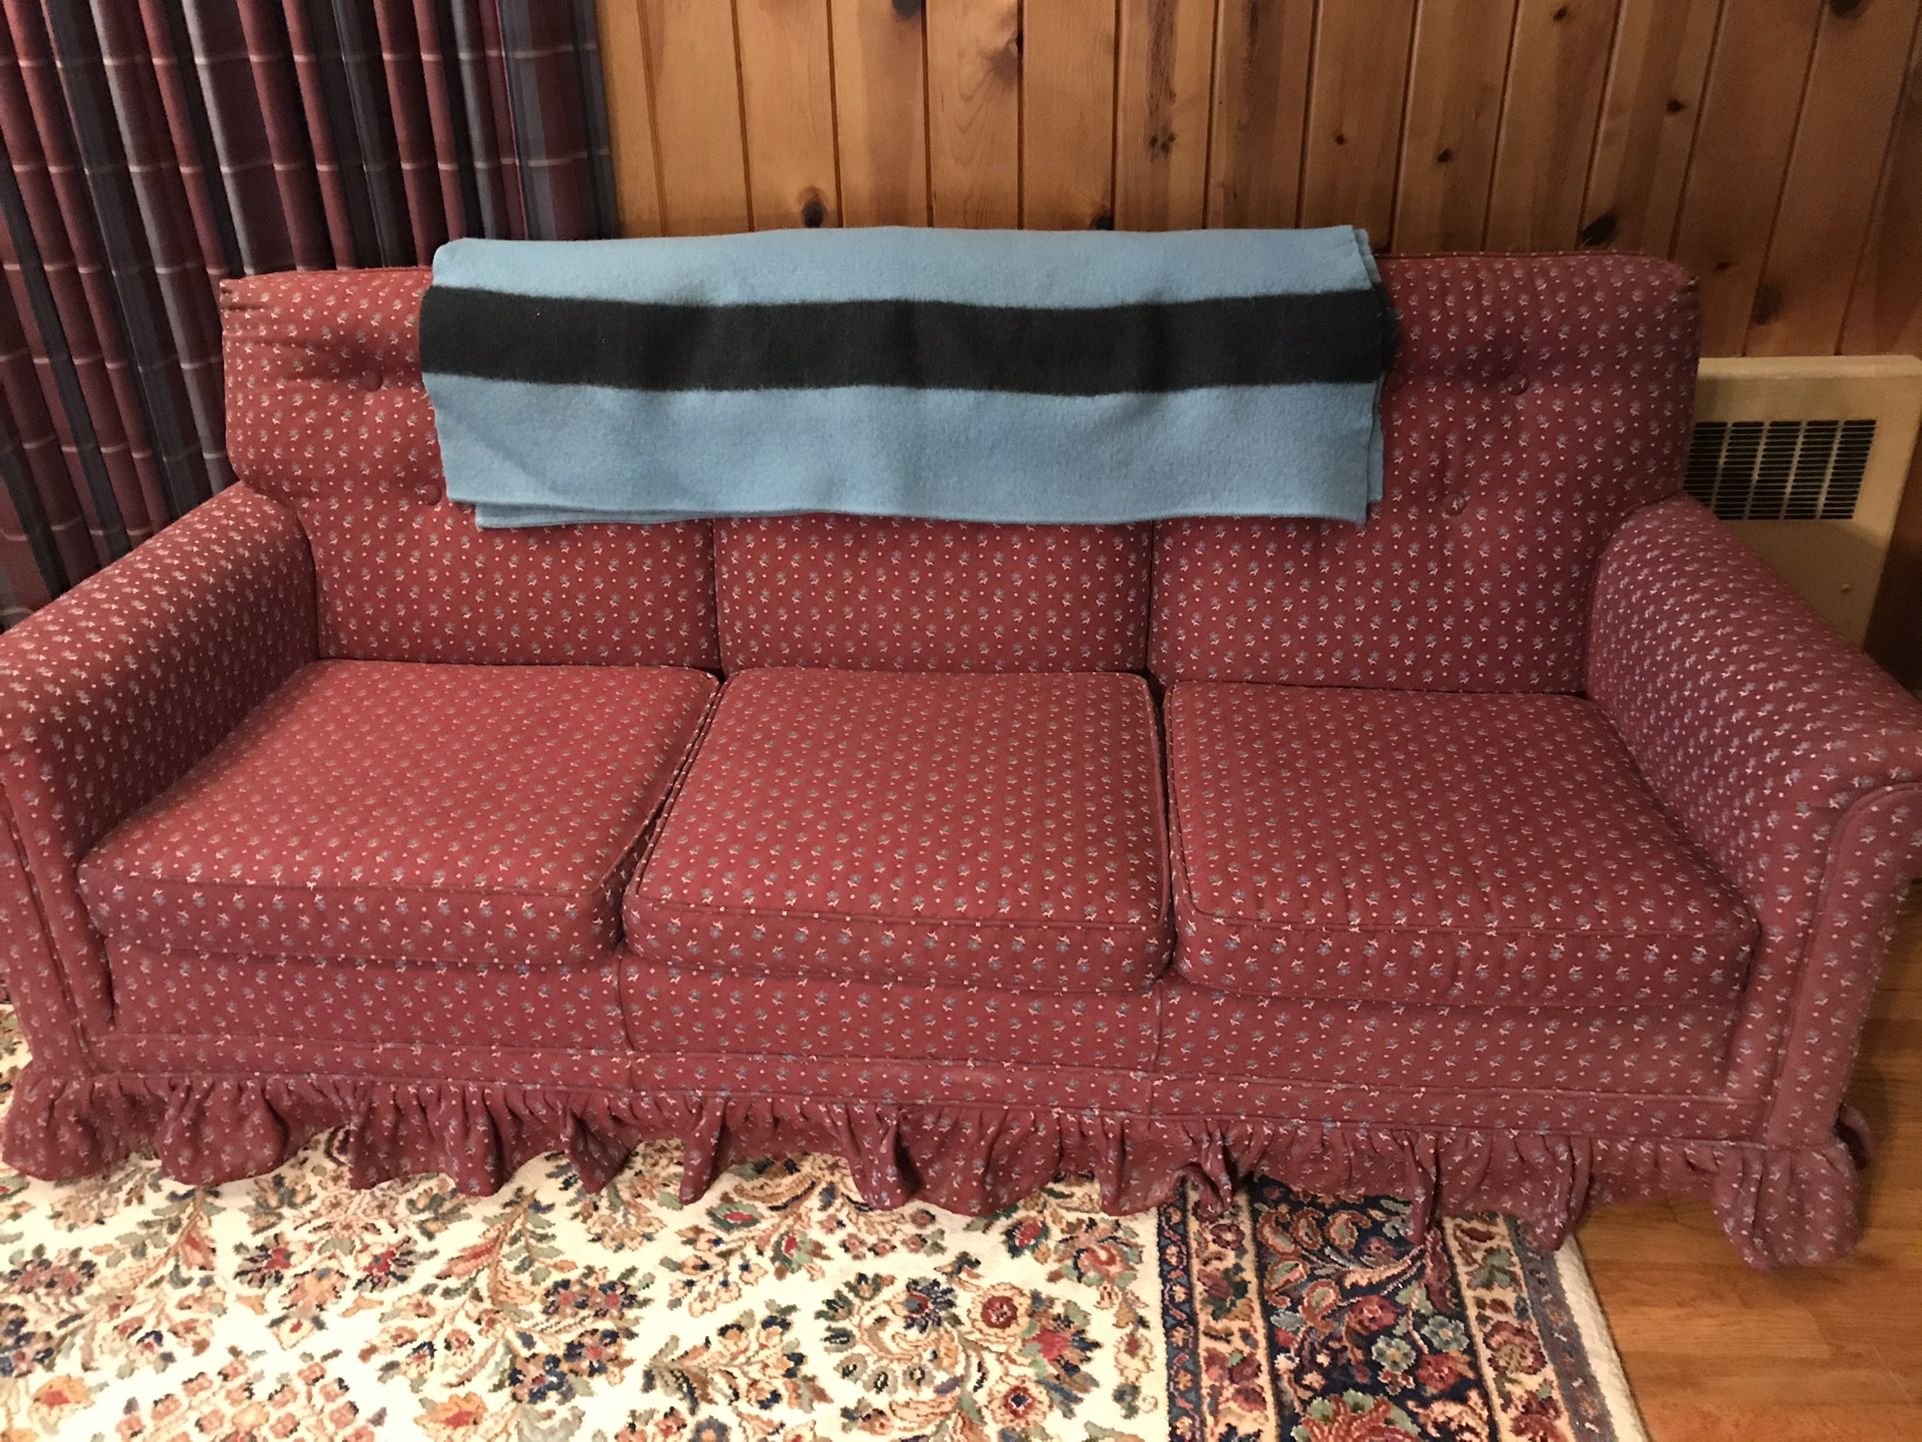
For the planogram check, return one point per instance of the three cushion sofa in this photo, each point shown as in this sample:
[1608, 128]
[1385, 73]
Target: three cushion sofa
[1525, 847]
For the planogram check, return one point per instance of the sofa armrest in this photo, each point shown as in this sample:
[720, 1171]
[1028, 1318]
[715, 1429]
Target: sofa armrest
[1791, 759]
[107, 696]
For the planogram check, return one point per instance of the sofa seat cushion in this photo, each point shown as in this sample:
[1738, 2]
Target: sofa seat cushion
[996, 830]
[1429, 848]
[375, 809]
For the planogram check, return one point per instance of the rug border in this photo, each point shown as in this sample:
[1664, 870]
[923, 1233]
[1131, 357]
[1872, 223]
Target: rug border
[1598, 1343]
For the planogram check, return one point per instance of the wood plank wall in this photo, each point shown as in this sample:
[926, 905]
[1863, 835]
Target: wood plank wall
[1773, 145]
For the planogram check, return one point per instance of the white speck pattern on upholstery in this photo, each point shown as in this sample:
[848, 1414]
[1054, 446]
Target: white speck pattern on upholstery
[326, 412]
[383, 810]
[1795, 763]
[1409, 846]
[999, 830]
[883, 594]
[1535, 401]
[106, 698]
[909, 898]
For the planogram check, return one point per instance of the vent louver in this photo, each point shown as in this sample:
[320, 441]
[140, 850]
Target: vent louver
[1804, 458]
[1779, 470]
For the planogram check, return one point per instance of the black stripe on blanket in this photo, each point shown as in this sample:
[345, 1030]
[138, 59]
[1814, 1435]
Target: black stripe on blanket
[1259, 340]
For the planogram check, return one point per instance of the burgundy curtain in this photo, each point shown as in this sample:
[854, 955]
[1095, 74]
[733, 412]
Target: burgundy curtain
[150, 147]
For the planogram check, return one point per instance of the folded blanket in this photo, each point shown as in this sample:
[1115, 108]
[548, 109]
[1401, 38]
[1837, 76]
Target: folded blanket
[954, 375]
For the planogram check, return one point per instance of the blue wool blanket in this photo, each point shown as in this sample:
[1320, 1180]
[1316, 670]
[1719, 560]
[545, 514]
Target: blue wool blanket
[945, 374]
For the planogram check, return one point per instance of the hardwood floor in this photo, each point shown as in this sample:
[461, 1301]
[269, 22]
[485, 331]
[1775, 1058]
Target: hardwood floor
[1716, 1350]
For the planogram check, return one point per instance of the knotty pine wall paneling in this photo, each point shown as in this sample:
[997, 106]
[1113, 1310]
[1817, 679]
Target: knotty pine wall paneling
[787, 112]
[1358, 70]
[1164, 76]
[1551, 113]
[974, 111]
[1452, 124]
[1260, 111]
[881, 133]
[1068, 114]
[1646, 135]
[1773, 146]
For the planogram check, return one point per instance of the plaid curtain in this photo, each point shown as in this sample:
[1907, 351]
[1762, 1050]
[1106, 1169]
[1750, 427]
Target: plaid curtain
[149, 148]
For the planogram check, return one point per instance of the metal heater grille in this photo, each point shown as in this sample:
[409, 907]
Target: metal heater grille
[1779, 470]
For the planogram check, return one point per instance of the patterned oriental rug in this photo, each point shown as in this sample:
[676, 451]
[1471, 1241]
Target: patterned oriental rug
[777, 1309]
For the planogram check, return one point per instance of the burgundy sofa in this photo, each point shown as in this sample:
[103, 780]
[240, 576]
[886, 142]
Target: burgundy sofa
[1525, 848]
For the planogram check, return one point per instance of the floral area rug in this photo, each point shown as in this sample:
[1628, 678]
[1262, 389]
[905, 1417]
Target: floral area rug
[776, 1309]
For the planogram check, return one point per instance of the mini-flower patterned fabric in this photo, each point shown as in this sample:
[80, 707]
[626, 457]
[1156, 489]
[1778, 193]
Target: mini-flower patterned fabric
[1793, 761]
[883, 594]
[1272, 1056]
[326, 412]
[1001, 830]
[384, 809]
[106, 698]
[1535, 401]
[352, 1005]
[917, 917]
[1408, 846]
[680, 1013]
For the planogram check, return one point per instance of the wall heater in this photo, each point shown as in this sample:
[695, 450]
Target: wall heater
[1805, 458]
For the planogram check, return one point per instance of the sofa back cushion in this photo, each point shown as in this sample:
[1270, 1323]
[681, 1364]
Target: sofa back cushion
[326, 413]
[1535, 401]
[881, 594]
